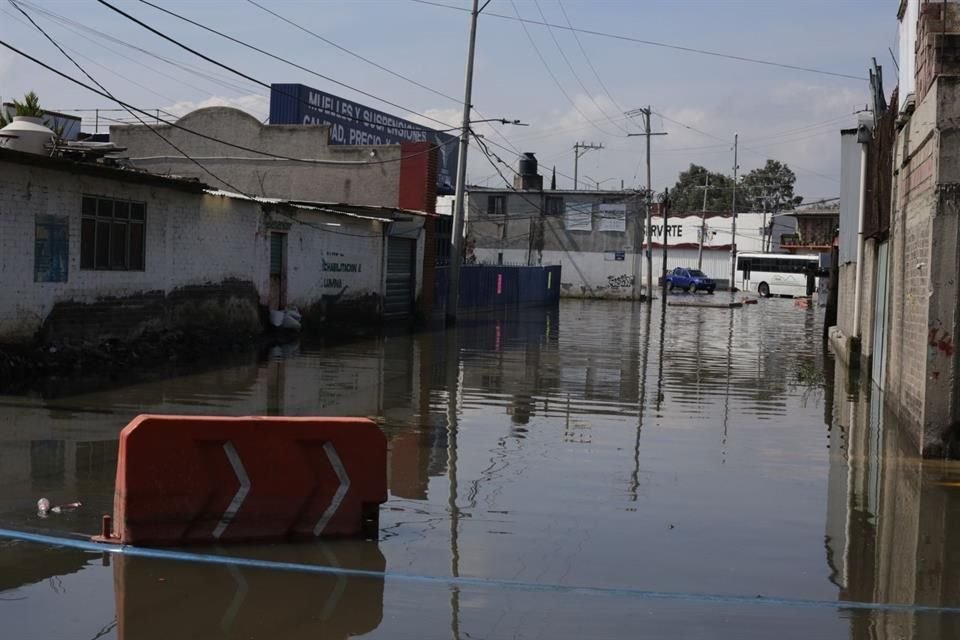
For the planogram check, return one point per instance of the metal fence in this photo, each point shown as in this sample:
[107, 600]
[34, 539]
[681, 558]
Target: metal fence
[485, 287]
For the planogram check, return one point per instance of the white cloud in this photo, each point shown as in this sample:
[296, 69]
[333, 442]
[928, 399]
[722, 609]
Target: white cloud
[256, 105]
[449, 116]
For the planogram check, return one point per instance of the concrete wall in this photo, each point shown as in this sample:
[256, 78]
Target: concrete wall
[344, 173]
[526, 236]
[850, 160]
[600, 275]
[178, 248]
[910, 238]
[599, 263]
[207, 257]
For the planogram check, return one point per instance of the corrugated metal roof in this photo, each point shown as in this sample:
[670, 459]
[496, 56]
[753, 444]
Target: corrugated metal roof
[366, 212]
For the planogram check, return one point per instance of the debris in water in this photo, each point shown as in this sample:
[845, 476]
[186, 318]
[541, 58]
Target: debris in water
[44, 509]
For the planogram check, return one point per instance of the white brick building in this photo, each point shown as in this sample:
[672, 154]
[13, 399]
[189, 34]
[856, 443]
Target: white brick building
[93, 250]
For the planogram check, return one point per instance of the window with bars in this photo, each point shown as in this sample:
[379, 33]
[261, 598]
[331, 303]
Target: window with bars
[113, 234]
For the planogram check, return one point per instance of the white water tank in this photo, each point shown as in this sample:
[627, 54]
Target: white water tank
[27, 134]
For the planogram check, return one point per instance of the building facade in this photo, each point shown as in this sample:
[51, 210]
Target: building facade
[897, 308]
[89, 251]
[599, 237]
[294, 162]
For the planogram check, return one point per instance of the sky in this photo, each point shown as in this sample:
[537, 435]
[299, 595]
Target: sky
[566, 89]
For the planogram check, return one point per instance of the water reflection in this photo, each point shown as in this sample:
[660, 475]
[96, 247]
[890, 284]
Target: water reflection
[155, 599]
[601, 444]
[891, 518]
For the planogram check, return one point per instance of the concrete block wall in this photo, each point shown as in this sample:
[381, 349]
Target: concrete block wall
[922, 318]
[845, 306]
[937, 44]
[365, 174]
[178, 246]
[206, 257]
[338, 267]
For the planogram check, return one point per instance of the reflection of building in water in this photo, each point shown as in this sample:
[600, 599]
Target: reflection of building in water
[892, 521]
[760, 353]
[24, 564]
[522, 357]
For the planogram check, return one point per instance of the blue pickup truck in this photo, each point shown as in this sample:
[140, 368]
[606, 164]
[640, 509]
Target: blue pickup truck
[691, 280]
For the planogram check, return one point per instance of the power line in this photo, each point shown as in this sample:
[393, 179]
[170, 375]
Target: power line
[257, 49]
[653, 43]
[596, 75]
[343, 49]
[572, 70]
[75, 27]
[209, 137]
[111, 96]
[373, 63]
[692, 128]
[746, 148]
[546, 66]
[97, 64]
[182, 152]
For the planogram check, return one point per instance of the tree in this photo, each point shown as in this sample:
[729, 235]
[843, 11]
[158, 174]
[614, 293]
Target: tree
[770, 188]
[29, 107]
[687, 195]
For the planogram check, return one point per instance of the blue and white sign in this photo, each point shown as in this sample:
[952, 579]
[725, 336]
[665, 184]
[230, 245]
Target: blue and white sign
[353, 123]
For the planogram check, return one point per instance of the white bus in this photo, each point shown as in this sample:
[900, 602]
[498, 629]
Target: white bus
[778, 274]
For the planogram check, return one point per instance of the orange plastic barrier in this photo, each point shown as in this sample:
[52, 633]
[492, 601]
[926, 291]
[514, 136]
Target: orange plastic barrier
[186, 479]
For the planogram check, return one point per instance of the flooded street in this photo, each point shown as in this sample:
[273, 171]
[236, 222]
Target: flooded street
[601, 470]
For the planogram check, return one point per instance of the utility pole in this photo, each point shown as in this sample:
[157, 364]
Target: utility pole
[647, 133]
[703, 220]
[665, 206]
[580, 148]
[733, 206]
[456, 239]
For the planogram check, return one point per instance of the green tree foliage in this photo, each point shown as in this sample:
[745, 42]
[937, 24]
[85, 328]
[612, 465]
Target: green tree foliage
[29, 107]
[687, 194]
[767, 188]
[770, 188]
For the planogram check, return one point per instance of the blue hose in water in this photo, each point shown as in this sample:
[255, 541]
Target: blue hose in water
[274, 565]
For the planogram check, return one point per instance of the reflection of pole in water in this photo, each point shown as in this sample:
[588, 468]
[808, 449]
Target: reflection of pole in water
[453, 393]
[644, 355]
[663, 340]
[699, 351]
[726, 395]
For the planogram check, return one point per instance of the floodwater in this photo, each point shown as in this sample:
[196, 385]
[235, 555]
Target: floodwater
[601, 470]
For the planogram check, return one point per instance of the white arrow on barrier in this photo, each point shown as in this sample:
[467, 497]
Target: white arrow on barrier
[344, 479]
[241, 494]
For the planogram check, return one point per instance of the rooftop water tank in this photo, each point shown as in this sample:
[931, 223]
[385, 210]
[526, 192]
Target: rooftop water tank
[27, 134]
[528, 164]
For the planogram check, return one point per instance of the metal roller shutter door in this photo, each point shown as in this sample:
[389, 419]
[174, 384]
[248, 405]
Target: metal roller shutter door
[401, 262]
